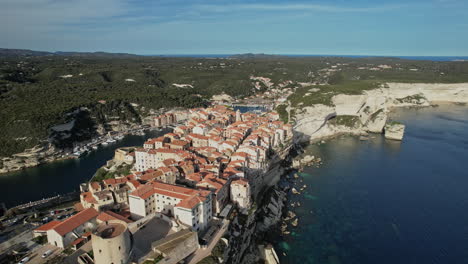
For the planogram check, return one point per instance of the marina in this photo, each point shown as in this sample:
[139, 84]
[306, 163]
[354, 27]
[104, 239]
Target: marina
[63, 176]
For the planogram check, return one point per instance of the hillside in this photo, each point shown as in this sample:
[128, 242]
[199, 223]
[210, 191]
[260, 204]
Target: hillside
[40, 92]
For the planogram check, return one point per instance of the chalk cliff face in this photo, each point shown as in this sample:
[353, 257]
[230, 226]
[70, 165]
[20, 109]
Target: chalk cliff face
[372, 107]
[313, 121]
[394, 131]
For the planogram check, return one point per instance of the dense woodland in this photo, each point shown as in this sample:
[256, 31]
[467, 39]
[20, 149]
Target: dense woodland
[38, 92]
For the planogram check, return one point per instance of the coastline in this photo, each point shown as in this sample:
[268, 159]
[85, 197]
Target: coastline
[369, 112]
[49, 154]
[327, 206]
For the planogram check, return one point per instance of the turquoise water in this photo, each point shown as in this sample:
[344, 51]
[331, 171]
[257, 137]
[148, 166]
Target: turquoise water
[381, 201]
[61, 176]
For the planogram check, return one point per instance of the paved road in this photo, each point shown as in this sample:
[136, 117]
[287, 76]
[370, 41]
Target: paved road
[202, 253]
[36, 254]
[24, 237]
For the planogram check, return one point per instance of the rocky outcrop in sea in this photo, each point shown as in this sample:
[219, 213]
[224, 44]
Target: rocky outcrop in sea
[368, 112]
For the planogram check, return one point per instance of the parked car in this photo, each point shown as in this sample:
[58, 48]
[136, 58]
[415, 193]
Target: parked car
[47, 253]
[26, 259]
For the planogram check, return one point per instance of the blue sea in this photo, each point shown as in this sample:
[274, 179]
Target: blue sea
[387, 202]
[426, 58]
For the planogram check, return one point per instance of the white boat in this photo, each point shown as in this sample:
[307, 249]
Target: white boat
[111, 140]
[95, 147]
[104, 143]
[78, 154]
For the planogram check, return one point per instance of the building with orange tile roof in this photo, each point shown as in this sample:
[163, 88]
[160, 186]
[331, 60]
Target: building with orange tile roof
[109, 215]
[220, 189]
[42, 230]
[64, 233]
[240, 193]
[189, 206]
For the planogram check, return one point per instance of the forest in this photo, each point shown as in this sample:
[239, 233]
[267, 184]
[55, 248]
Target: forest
[38, 92]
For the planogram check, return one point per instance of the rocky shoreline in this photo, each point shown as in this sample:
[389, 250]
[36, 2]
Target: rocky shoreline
[352, 115]
[368, 112]
[39, 155]
[252, 235]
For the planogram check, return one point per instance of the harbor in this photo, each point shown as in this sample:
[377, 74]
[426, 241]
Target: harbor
[63, 176]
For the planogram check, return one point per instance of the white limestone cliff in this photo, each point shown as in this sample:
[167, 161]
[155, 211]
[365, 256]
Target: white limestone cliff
[394, 131]
[372, 108]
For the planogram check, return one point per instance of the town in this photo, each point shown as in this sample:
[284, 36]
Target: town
[183, 188]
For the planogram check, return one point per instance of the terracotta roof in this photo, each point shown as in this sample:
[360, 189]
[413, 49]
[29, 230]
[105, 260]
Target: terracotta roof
[240, 181]
[78, 207]
[135, 183]
[241, 154]
[175, 151]
[194, 176]
[151, 175]
[109, 215]
[164, 169]
[190, 202]
[115, 181]
[197, 136]
[143, 192]
[95, 185]
[216, 138]
[77, 241]
[75, 221]
[88, 197]
[164, 189]
[48, 226]
[213, 182]
[179, 142]
[230, 143]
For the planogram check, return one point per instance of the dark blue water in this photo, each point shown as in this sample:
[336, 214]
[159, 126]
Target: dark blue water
[219, 56]
[245, 109]
[62, 176]
[381, 201]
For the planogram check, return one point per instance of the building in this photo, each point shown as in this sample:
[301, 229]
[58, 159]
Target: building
[189, 206]
[124, 155]
[112, 243]
[198, 140]
[240, 193]
[220, 190]
[66, 232]
[42, 230]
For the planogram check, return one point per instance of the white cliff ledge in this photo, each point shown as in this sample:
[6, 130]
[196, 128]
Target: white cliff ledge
[371, 109]
[394, 131]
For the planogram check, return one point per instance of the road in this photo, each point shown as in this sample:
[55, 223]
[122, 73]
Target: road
[202, 253]
[24, 237]
[36, 254]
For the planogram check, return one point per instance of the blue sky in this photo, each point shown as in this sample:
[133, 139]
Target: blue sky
[362, 27]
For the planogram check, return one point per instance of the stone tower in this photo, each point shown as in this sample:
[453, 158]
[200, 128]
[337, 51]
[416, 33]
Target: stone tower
[238, 116]
[112, 243]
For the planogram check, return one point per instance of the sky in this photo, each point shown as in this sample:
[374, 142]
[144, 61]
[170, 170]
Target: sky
[151, 27]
